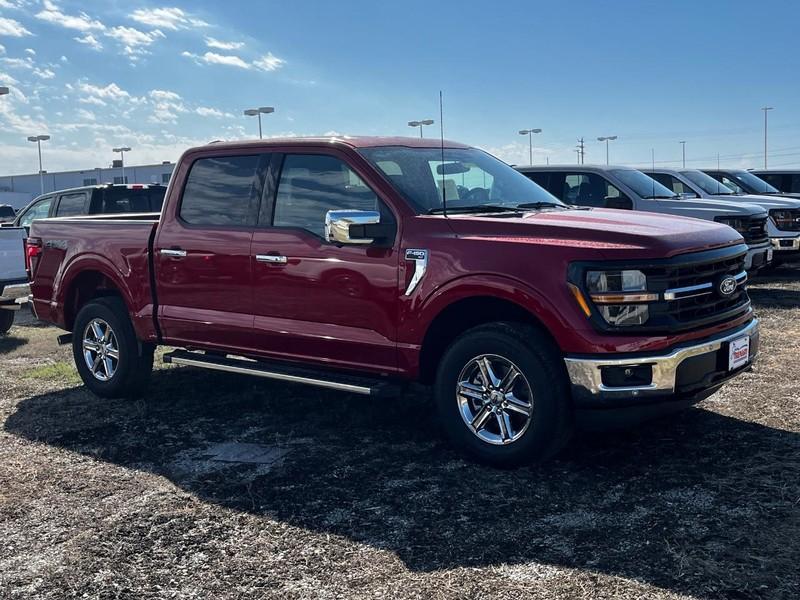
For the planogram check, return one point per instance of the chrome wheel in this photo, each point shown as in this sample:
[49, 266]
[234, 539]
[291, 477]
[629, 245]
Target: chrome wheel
[495, 399]
[100, 349]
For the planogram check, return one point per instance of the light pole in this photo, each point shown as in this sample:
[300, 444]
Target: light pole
[420, 124]
[766, 109]
[683, 151]
[38, 139]
[606, 139]
[257, 112]
[529, 133]
[122, 152]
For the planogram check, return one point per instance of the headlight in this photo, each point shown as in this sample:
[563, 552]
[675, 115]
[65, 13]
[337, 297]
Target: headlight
[619, 296]
[737, 223]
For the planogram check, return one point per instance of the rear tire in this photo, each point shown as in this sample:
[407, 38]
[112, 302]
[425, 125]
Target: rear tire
[516, 418]
[111, 362]
[6, 320]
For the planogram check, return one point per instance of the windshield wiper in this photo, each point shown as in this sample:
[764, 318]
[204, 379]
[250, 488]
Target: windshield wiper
[489, 208]
[540, 205]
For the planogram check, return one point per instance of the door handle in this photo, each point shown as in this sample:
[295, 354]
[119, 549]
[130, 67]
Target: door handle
[273, 259]
[173, 252]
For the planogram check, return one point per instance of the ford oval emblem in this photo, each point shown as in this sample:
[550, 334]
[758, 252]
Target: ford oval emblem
[727, 285]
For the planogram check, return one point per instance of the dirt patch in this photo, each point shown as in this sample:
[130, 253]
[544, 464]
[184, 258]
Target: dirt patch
[328, 495]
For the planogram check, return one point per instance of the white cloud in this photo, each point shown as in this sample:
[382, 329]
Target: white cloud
[220, 45]
[12, 28]
[92, 100]
[90, 41]
[86, 115]
[110, 92]
[2, 49]
[164, 95]
[64, 59]
[205, 111]
[30, 51]
[18, 63]
[269, 62]
[44, 73]
[133, 40]
[166, 18]
[81, 22]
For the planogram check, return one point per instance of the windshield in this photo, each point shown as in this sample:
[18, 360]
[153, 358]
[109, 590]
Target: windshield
[707, 183]
[642, 185]
[753, 184]
[468, 178]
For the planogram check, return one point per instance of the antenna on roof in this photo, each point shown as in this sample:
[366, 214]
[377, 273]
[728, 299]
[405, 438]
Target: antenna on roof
[441, 137]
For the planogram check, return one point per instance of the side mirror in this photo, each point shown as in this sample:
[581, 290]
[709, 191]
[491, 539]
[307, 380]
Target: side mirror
[622, 202]
[353, 226]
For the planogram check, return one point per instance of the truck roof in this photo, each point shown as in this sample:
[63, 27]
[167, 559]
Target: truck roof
[574, 167]
[344, 140]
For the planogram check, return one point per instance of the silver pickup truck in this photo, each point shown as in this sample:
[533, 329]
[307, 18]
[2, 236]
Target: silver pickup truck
[783, 225]
[626, 188]
[13, 277]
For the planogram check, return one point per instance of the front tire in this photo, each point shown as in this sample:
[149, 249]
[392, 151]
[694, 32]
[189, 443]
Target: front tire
[502, 395]
[111, 362]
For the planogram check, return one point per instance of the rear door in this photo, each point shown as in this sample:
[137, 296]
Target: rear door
[314, 300]
[202, 253]
[72, 204]
[38, 210]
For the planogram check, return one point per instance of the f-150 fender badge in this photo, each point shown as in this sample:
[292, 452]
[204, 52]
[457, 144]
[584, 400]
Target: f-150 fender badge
[420, 258]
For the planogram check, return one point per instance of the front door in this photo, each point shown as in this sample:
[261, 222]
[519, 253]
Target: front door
[202, 254]
[314, 300]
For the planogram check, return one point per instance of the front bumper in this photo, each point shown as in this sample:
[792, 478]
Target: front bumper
[785, 244]
[758, 256]
[14, 295]
[677, 378]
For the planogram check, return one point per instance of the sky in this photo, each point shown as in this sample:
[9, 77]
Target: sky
[161, 77]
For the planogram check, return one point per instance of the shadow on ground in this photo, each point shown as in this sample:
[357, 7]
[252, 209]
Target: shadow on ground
[694, 503]
[9, 343]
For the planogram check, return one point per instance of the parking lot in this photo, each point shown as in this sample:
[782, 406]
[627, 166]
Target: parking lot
[217, 485]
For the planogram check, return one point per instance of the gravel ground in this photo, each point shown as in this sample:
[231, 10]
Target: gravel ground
[228, 487]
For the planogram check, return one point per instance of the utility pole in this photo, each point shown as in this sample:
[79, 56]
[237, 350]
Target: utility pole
[581, 150]
[683, 150]
[766, 109]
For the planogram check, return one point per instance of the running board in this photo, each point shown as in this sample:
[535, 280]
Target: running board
[324, 379]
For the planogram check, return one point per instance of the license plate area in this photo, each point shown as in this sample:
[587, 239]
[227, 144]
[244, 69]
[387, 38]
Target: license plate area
[738, 353]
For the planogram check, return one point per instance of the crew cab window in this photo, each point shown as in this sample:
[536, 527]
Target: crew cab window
[731, 183]
[71, 205]
[222, 191]
[133, 200]
[40, 210]
[311, 185]
[673, 183]
[588, 189]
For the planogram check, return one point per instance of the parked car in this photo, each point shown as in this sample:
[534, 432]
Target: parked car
[13, 278]
[745, 182]
[7, 213]
[626, 188]
[93, 200]
[785, 180]
[783, 225]
[90, 200]
[363, 264]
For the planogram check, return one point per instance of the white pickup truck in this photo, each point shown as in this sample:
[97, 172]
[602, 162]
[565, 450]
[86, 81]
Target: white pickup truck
[14, 288]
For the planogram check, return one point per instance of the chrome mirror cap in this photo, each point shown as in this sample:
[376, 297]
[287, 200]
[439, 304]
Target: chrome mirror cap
[338, 222]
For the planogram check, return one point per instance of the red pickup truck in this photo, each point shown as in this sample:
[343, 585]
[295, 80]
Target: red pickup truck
[361, 264]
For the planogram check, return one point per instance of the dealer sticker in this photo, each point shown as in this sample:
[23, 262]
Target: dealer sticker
[739, 353]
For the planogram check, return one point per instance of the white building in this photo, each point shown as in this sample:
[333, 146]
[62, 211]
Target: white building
[18, 190]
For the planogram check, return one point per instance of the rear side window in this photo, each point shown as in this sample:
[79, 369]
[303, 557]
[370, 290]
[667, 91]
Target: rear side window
[6, 212]
[40, 210]
[71, 205]
[588, 189]
[141, 200]
[543, 179]
[311, 185]
[222, 191]
[672, 183]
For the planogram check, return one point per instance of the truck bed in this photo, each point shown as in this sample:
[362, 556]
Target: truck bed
[82, 250]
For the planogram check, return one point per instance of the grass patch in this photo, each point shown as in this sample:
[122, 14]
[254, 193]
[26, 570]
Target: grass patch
[62, 371]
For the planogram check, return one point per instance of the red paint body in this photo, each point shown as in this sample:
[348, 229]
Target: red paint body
[345, 306]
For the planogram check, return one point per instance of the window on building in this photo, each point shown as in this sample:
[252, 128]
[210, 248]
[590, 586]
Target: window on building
[222, 191]
[165, 177]
[90, 181]
[120, 180]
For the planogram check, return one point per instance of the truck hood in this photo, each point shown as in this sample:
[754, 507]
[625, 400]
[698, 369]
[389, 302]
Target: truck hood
[765, 202]
[704, 208]
[617, 233]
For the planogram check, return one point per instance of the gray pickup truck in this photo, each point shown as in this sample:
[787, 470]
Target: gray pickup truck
[783, 225]
[626, 188]
[13, 277]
